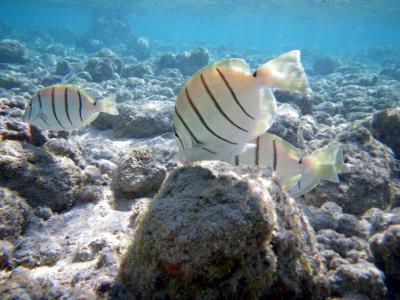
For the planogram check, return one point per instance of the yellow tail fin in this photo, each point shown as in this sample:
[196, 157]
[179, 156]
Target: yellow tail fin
[326, 162]
[107, 105]
[285, 72]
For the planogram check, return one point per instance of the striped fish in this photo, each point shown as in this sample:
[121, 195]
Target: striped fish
[65, 107]
[298, 171]
[225, 105]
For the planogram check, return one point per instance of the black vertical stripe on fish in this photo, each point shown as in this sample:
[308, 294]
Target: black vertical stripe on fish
[30, 110]
[66, 105]
[257, 151]
[233, 93]
[208, 150]
[80, 105]
[54, 107]
[179, 138]
[44, 121]
[275, 154]
[236, 160]
[218, 106]
[203, 121]
[40, 100]
[187, 127]
[298, 184]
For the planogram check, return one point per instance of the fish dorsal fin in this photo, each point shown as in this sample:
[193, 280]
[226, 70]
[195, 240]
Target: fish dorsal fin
[232, 63]
[81, 91]
[226, 64]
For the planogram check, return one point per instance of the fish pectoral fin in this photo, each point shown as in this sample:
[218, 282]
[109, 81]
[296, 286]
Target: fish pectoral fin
[90, 119]
[203, 152]
[305, 184]
[268, 113]
[293, 181]
[43, 117]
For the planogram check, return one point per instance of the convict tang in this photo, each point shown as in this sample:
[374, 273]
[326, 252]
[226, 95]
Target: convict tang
[298, 171]
[65, 107]
[225, 105]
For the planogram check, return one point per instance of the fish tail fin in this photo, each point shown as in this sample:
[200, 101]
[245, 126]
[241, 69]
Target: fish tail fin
[326, 163]
[107, 105]
[285, 72]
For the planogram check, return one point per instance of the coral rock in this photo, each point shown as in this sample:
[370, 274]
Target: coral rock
[386, 129]
[369, 182]
[138, 174]
[386, 249]
[41, 178]
[326, 65]
[138, 121]
[213, 234]
[12, 51]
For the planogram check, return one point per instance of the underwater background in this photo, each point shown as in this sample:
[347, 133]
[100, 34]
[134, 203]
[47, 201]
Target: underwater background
[106, 211]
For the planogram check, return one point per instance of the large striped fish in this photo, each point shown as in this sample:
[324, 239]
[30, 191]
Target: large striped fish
[225, 105]
[65, 107]
[298, 171]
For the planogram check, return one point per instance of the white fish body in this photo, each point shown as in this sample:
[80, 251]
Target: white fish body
[224, 106]
[65, 107]
[298, 172]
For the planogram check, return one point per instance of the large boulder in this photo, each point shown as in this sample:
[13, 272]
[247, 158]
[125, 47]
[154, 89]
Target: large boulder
[115, 31]
[63, 68]
[100, 69]
[41, 178]
[12, 51]
[369, 182]
[104, 65]
[213, 234]
[386, 128]
[188, 62]
[326, 65]
[138, 121]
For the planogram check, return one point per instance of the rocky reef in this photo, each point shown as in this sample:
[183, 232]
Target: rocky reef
[106, 212]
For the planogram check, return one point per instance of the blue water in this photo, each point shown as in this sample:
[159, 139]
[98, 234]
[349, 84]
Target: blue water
[333, 26]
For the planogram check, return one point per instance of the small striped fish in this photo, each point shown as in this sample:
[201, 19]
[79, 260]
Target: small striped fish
[298, 171]
[224, 106]
[65, 107]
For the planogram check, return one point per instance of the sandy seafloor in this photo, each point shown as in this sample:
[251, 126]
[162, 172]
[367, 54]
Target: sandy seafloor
[70, 201]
